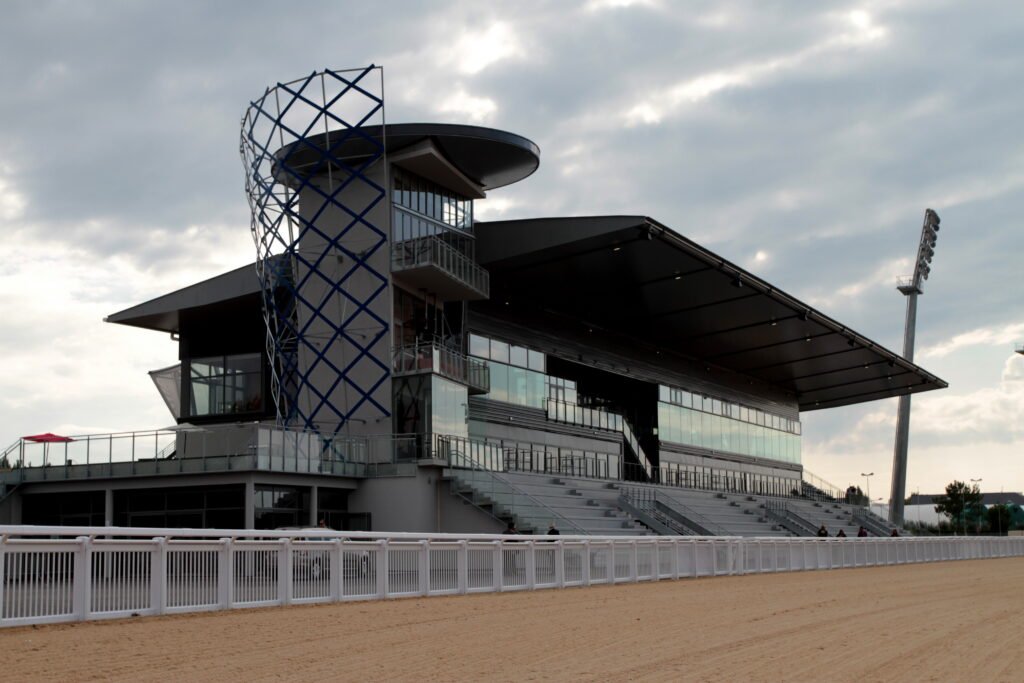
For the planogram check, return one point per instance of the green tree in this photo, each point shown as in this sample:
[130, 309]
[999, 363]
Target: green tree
[961, 504]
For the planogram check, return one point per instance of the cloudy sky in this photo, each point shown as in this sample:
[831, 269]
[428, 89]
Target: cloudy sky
[802, 140]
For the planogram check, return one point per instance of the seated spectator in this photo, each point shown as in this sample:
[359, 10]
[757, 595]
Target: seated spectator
[841, 534]
[862, 533]
[822, 531]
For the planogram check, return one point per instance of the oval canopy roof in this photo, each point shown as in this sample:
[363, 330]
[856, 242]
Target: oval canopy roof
[491, 158]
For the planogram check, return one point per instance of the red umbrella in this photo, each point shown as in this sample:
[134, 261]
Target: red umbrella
[48, 438]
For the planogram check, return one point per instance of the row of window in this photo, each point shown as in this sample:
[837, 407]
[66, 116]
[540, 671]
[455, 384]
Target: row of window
[517, 385]
[734, 411]
[431, 200]
[503, 352]
[694, 477]
[225, 385]
[714, 432]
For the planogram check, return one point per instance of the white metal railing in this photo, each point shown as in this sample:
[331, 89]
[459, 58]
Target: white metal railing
[55, 574]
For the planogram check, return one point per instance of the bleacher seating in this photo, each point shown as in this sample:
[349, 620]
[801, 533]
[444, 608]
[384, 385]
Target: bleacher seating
[590, 504]
[593, 506]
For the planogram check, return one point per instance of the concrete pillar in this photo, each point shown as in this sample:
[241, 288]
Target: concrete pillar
[250, 503]
[15, 503]
[314, 505]
[108, 507]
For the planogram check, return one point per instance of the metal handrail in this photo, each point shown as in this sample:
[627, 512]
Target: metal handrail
[646, 505]
[706, 525]
[826, 487]
[779, 510]
[572, 413]
[428, 356]
[431, 250]
[871, 521]
[468, 463]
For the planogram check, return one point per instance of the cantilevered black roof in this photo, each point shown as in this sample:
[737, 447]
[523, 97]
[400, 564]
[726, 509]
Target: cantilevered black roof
[633, 275]
[489, 157]
[164, 312]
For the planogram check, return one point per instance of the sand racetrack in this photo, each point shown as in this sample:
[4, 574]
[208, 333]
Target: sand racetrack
[936, 622]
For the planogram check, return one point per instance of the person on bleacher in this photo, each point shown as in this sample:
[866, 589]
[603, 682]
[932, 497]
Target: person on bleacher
[822, 531]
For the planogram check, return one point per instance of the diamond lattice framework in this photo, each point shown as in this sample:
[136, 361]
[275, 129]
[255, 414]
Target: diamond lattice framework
[323, 287]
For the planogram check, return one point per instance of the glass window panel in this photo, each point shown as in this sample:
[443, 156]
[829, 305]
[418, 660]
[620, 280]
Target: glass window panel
[499, 351]
[517, 385]
[479, 346]
[675, 426]
[535, 360]
[535, 389]
[664, 393]
[517, 356]
[499, 382]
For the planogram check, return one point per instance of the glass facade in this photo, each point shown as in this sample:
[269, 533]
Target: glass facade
[281, 506]
[427, 200]
[694, 419]
[224, 385]
[448, 407]
[517, 373]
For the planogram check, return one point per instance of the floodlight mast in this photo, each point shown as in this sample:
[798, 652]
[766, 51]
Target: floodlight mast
[910, 287]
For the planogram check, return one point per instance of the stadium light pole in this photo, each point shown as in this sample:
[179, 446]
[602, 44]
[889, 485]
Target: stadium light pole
[910, 288]
[867, 483]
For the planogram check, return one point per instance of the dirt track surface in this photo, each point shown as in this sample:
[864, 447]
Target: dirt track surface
[936, 622]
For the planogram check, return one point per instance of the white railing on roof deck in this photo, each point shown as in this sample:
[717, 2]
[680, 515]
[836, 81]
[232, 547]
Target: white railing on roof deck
[55, 574]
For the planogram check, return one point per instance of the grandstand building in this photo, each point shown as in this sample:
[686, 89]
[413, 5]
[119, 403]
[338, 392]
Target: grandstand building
[605, 374]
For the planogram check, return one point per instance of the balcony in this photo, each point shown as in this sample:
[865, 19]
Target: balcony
[430, 264]
[420, 358]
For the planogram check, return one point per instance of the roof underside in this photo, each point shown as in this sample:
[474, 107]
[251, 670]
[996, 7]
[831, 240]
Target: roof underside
[164, 313]
[490, 158]
[632, 275]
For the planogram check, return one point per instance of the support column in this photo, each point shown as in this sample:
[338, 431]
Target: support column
[899, 460]
[314, 505]
[108, 507]
[250, 503]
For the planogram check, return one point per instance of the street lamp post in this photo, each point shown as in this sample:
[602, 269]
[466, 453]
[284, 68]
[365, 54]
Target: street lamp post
[867, 484]
[910, 288]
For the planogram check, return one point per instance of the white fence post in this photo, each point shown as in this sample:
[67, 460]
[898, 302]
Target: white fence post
[82, 581]
[284, 572]
[531, 565]
[559, 564]
[498, 568]
[225, 560]
[462, 568]
[424, 567]
[336, 567]
[585, 569]
[158, 576]
[382, 569]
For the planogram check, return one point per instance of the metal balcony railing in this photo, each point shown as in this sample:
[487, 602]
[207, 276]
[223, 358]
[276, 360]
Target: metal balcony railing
[425, 357]
[432, 252]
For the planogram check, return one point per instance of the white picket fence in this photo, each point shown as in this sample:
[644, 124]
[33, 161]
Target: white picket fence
[55, 574]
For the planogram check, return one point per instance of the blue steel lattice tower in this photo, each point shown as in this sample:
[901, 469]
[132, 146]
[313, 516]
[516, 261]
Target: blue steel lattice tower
[315, 182]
